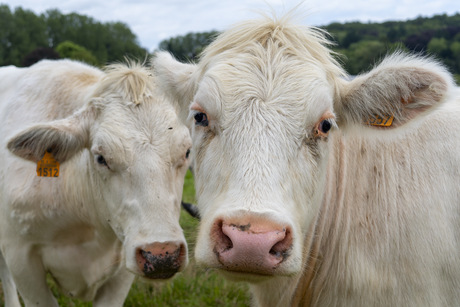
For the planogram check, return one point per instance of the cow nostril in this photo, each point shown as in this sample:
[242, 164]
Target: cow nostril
[223, 242]
[281, 248]
[182, 254]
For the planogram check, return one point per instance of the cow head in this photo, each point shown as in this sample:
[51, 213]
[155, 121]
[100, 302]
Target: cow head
[265, 100]
[127, 152]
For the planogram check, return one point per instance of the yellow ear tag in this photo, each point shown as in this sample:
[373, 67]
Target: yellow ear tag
[385, 121]
[48, 166]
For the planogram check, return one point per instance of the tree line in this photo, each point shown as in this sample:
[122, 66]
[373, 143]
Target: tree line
[25, 37]
[361, 45]
[364, 43]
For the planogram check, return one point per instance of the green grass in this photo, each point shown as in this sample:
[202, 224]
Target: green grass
[194, 287]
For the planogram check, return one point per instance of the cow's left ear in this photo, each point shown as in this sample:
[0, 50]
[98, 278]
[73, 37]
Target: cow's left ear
[394, 92]
[62, 138]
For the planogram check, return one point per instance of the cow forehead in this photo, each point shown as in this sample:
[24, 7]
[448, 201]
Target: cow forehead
[274, 62]
[264, 87]
[152, 117]
[153, 126]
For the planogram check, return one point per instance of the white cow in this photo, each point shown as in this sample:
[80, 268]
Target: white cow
[299, 194]
[114, 209]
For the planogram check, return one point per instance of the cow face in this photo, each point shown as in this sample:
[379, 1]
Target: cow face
[265, 103]
[258, 160]
[134, 153]
[142, 167]
[260, 122]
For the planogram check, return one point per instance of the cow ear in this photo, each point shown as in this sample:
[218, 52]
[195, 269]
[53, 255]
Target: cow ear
[394, 92]
[176, 80]
[62, 138]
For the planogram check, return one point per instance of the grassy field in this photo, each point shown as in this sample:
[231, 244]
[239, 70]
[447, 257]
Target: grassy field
[194, 287]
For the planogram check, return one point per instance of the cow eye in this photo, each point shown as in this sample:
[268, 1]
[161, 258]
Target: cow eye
[325, 126]
[101, 160]
[187, 154]
[201, 119]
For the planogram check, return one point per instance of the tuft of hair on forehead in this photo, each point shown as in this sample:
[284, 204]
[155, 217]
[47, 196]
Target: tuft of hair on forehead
[306, 42]
[131, 80]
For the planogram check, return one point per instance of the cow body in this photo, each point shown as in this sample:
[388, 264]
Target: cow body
[116, 202]
[299, 193]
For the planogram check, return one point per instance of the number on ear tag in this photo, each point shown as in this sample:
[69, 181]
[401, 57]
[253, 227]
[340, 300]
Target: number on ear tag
[48, 166]
[385, 121]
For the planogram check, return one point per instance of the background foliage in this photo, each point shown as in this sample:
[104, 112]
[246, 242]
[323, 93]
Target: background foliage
[188, 48]
[25, 35]
[22, 32]
[363, 44]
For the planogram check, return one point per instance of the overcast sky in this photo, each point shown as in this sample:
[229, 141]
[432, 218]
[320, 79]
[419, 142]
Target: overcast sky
[155, 20]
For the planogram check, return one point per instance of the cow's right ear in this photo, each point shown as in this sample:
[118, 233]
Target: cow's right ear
[62, 138]
[176, 80]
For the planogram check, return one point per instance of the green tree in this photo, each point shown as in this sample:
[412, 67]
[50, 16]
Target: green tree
[21, 32]
[439, 46]
[188, 47]
[108, 42]
[6, 25]
[70, 50]
[455, 49]
[363, 54]
[121, 42]
[350, 38]
[455, 52]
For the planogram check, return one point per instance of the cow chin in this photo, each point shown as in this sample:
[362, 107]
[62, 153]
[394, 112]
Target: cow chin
[251, 278]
